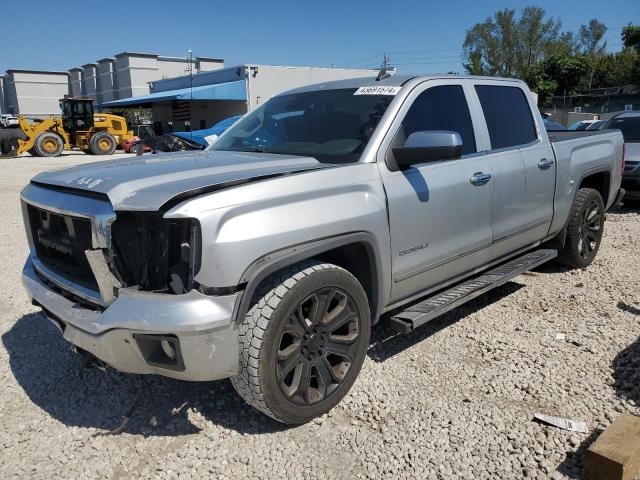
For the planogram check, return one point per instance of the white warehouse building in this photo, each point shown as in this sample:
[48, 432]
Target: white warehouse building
[35, 93]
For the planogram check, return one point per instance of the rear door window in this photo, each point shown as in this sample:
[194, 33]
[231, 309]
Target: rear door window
[508, 116]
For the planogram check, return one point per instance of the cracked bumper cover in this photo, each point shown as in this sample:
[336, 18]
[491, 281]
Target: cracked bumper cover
[203, 324]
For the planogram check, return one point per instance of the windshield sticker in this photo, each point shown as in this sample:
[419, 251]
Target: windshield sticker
[377, 91]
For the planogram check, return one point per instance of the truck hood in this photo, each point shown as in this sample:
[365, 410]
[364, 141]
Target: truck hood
[148, 182]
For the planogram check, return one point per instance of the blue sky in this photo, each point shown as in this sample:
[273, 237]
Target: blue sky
[419, 36]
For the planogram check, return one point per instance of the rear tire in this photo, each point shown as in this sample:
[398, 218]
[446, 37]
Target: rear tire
[102, 143]
[48, 144]
[584, 230]
[303, 342]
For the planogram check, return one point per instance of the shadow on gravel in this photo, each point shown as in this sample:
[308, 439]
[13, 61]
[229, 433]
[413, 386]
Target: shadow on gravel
[633, 208]
[51, 375]
[625, 307]
[573, 463]
[626, 376]
[386, 342]
[626, 372]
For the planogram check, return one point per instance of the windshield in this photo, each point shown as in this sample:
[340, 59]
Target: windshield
[629, 126]
[333, 126]
[579, 125]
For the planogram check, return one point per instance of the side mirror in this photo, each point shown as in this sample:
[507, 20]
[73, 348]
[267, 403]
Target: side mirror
[428, 146]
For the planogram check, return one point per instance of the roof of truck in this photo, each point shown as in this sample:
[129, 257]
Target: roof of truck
[391, 81]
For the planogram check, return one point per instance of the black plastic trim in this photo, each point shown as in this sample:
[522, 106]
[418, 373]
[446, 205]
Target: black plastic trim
[261, 268]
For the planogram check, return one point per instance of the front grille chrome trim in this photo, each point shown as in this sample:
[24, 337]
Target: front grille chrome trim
[87, 294]
[100, 212]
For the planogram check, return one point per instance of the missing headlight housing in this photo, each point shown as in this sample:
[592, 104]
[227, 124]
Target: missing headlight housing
[154, 253]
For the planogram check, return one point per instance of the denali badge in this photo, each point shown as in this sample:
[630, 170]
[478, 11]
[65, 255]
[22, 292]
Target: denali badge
[414, 249]
[58, 246]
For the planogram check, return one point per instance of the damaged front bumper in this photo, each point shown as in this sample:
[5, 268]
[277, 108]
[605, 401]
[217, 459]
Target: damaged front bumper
[188, 337]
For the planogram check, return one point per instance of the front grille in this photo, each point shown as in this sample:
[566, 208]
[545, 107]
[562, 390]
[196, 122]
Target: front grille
[630, 165]
[60, 242]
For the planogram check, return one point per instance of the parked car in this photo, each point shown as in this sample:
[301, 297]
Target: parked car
[597, 125]
[581, 125]
[185, 141]
[268, 257]
[629, 124]
[8, 121]
[552, 126]
[206, 136]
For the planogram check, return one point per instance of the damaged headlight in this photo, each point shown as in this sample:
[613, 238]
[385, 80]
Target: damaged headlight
[184, 254]
[156, 254]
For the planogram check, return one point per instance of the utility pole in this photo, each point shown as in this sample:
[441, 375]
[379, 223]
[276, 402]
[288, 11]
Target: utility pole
[190, 70]
[385, 61]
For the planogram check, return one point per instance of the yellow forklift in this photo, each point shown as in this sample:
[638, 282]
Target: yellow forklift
[78, 127]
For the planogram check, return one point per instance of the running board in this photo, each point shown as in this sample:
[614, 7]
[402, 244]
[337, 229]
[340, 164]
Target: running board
[420, 313]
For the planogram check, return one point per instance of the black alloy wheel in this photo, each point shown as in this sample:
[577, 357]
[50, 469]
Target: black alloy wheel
[317, 346]
[591, 229]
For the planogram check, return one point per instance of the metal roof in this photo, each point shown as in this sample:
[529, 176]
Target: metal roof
[236, 90]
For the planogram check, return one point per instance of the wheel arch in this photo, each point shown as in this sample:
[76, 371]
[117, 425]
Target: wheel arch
[345, 251]
[599, 180]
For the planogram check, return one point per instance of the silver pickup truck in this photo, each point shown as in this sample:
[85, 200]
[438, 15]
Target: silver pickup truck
[268, 257]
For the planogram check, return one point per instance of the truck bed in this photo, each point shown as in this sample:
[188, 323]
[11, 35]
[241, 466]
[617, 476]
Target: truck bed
[556, 136]
[579, 153]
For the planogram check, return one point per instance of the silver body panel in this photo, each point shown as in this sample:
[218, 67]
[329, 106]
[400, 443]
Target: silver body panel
[203, 325]
[425, 227]
[148, 182]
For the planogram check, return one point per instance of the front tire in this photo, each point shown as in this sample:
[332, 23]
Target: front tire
[48, 144]
[102, 143]
[584, 230]
[303, 342]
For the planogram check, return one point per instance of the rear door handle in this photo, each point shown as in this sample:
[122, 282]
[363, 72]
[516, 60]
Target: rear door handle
[545, 164]
[480, 178]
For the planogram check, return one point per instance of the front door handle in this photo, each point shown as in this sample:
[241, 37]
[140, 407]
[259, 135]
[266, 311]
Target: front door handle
[545, 164]
[480, 178]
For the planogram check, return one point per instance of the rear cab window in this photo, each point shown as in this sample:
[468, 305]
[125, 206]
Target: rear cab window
[507, 115]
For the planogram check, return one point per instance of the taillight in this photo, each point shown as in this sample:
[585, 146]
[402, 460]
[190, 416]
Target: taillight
[624, 155]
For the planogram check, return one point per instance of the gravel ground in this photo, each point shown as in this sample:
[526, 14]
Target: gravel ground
[454, 400]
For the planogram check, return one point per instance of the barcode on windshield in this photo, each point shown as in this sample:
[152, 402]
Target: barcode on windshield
[377, 90]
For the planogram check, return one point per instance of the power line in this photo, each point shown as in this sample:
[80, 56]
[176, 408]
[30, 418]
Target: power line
[405, 52]
[427, 51]
[422, 63]
[429, 58]
[362, 59]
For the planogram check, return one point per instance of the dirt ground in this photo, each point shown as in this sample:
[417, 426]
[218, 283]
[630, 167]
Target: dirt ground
[454, 400]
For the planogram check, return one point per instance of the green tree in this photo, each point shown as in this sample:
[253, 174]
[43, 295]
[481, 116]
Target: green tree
[616, 69]
[535, 36]
[631, 41]
[591, 40]
[557, 75]
[506, 45]
[631, 37]
[540, 83]
[567, 44]
[474, 65]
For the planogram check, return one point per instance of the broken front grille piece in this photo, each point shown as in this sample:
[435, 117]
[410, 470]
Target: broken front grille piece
[60, 242]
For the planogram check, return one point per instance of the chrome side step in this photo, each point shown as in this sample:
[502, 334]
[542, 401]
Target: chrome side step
[420, 313]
